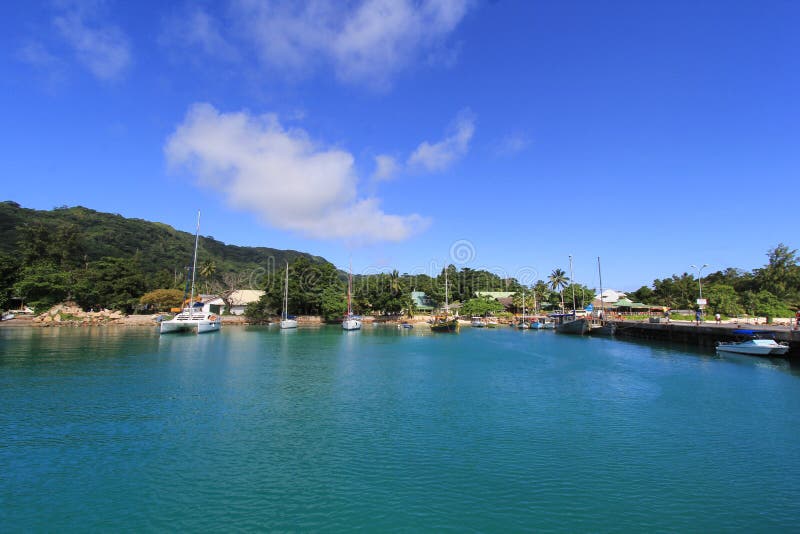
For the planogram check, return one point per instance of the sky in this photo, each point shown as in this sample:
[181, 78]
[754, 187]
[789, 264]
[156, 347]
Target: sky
[400, 134]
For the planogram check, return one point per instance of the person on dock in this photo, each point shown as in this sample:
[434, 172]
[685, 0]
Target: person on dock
[666, 315]
[697, 317]
[718, 318]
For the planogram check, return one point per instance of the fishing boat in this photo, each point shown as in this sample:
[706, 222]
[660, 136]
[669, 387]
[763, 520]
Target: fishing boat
[570, 323]
[445, 323]
[758, 344]
[192, 317]
[603, 327]
[523, 324]
[351, 322]
[287, 321]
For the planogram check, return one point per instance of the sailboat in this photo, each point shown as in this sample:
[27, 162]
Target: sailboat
[286, 321]
[571, 323]
[445, 323]
[351, 322]
[605, 328]
[192, 317]
[524, 324]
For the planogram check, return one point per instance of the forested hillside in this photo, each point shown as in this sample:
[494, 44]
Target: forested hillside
[104, 259]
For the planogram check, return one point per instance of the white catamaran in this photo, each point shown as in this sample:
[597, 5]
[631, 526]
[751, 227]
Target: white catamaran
[286, 321]
[351, 322]
[192, 317]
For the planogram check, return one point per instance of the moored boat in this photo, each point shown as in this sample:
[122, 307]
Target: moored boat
[287, 321]
[350, 322]
[477, 322]
[444, 323]
[757, 345]
[192, 317]
[569, 323]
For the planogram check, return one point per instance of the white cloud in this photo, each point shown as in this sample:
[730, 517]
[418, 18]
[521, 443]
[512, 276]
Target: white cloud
[196, 28]
[512, 144]
[439, 156]
[282, 176]
[367, 45]
[385, 168]
[102, 48]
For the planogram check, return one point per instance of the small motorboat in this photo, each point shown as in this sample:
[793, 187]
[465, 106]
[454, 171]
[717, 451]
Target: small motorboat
[477, 322]
[405, 325]
[757, 345]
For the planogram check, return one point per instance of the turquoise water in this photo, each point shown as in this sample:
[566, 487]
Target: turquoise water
[390, 430]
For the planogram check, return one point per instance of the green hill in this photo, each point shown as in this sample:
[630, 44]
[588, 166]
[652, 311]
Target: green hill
[64, 244]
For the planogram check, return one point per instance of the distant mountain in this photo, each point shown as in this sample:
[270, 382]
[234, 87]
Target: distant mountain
[159, 248]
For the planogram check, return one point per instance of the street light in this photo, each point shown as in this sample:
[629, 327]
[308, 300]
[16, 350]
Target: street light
[700, 277]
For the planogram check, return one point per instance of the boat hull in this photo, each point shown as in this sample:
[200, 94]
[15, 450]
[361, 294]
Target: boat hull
[194, 322]
[579, 327]
[603, 330]
[351, 324]
[758, 347]
[451, 327]
[288, 323]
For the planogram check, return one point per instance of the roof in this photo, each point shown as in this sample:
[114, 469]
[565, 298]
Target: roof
[611, 296]
[495, 294]
[421, 301]
[242, 297]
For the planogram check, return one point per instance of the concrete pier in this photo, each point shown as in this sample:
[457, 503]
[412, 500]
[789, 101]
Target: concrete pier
[704, 335]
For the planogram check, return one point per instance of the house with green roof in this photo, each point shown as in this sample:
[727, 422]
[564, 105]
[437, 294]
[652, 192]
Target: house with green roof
[422, 302]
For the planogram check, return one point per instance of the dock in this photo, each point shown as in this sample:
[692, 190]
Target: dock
[705, 334]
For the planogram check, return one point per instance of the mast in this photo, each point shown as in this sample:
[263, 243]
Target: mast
[602, 303]
[194, 261]
[523, 305]
[446, 304]
[572, 283]
[349, 289]
[286, 294]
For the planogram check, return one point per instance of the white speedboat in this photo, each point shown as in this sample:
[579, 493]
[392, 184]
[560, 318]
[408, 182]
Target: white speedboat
[756, 347]
[192, 318]
[477, 322]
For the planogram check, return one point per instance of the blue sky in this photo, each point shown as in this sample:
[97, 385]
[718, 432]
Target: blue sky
[500, 135]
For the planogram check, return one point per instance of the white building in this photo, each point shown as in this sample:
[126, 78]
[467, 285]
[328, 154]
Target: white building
[610, 296]
[239, 299]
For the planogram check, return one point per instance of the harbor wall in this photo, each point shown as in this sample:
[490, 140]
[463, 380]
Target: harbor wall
[703, 335]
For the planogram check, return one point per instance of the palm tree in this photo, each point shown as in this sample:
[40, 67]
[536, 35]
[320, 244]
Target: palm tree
[558, 281]
[207, 270]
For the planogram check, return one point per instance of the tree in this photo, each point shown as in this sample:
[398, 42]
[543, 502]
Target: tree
[42, 285]
[558, 281]
[765, 304]
[781, 276]
[162, 299]
[723, 299]
[332, 303]
[481, 306]
[207, 270]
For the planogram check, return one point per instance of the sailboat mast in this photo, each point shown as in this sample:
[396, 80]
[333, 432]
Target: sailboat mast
[446, 303]
[523, 305]
[572, 284]
[602, 302]
[349, 289]
[194, 261]
[286, 294]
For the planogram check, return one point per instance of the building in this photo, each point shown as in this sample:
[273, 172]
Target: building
[422, 302]
[239, 299]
